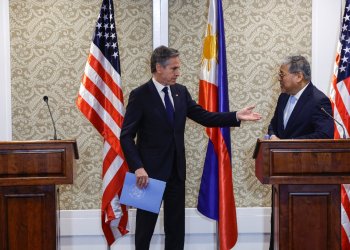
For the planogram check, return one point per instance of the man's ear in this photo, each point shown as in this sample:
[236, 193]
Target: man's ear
[159, 68]
[300, 76]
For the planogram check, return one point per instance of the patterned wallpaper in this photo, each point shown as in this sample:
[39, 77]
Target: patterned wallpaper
[50, 40]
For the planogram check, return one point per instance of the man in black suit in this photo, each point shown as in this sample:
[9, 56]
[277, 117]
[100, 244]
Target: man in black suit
[156, 113]
[298, 113]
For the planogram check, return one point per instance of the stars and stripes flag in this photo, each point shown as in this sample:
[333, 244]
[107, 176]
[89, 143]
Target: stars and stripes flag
[340, 98]
[100, 99]
[216, 198]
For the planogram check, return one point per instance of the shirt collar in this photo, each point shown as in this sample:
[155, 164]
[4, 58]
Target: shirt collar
[158, 85]
[297, 95]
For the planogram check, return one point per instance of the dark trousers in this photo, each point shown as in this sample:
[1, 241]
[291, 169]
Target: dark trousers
[174, 218]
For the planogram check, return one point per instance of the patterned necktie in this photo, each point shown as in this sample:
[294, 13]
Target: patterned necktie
[168, 106]
[289, 109]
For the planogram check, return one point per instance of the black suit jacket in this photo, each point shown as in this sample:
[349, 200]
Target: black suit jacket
[307, 120]
[158, 143]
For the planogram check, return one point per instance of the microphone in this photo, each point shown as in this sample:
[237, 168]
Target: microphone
[46, 99]
[344, 135]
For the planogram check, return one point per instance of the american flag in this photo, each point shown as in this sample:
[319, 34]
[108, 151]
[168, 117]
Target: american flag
[339, 93]
[100, 99]
[216, 198]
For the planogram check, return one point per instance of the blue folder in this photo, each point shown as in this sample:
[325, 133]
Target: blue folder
[149, 198]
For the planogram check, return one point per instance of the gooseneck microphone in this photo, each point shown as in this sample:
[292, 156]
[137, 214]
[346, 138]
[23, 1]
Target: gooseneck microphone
[46, 99]
[344, 135]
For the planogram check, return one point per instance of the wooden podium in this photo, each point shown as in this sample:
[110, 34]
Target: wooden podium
[29, 171]
[306, 177]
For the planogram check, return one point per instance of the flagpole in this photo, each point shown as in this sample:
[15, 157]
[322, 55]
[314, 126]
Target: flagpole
[217, 236]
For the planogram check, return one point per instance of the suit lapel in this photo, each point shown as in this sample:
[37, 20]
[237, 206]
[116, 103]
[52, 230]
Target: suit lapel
[177, 103]
[299, 106]
[284, 101]
[157, 101]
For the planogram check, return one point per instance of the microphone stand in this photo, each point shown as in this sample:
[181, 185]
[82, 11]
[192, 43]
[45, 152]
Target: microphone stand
[344, 135]
[46, 99]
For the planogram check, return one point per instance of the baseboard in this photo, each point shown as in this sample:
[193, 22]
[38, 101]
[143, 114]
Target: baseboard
[81, 229]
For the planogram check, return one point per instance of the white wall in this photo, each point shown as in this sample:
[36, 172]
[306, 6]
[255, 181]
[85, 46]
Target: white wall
[81, 230]
[5, 73]
[160, 23]
[326, 21]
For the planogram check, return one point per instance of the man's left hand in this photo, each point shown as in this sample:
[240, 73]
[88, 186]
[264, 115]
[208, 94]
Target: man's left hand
[247, 114]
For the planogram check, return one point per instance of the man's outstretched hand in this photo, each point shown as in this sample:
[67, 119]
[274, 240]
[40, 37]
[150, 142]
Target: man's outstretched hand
[247, 114]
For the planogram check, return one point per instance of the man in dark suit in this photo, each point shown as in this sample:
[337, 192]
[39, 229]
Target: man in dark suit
[298, 113]
[156, 113]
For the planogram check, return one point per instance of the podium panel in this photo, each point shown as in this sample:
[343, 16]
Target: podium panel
[37, 162]
[308, 217]
[28, 217]
[29, 173]
[306, 176]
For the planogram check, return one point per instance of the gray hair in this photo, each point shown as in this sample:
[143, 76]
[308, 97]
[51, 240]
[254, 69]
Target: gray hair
[298, 64]
[161, 55]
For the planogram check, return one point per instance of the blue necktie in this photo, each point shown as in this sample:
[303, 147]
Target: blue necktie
[168, 105]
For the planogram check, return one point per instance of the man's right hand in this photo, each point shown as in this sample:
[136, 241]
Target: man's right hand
[274, 138]
[141, 178]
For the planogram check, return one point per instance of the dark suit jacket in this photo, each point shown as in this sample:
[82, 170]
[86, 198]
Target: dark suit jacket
[307, 120]
[158, 143]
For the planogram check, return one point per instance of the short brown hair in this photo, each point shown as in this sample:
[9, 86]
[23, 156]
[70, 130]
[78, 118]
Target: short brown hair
[161, 55]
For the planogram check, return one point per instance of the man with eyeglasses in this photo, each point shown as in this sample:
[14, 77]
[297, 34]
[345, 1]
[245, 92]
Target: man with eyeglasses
[298, 113]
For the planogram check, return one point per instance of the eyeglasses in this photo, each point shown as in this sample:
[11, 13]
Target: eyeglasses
[282, 74]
